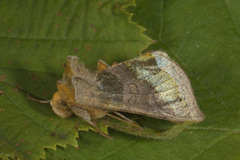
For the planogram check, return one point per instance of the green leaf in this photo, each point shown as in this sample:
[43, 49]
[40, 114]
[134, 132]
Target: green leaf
[204, 38]
[35, 39]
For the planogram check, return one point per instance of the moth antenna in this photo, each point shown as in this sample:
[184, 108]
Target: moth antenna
[38, 100]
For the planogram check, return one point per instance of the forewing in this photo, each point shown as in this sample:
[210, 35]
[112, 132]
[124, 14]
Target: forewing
[151, 85]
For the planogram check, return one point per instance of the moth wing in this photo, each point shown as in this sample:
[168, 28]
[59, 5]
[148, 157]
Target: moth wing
[151, 85]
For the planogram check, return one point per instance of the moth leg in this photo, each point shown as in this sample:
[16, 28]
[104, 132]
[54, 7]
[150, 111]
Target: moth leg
[149, 132]
[83, 114]
[174, 130]
[123, 120]
[127, 119]
[99, 131]
[101, 65]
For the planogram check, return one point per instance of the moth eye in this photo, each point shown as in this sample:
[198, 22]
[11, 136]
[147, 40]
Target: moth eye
[64, 103]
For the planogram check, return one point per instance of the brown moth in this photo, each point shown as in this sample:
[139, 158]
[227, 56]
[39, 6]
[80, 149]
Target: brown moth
[151, 85]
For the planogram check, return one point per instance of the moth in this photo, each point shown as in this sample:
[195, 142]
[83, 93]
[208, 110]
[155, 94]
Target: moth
[151, 85]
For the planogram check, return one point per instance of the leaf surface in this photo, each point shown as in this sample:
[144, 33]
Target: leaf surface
[35, 39]
[204, 38]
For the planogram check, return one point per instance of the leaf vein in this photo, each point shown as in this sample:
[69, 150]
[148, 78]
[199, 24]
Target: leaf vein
[117, 150]
[232, 20]
[211, 145]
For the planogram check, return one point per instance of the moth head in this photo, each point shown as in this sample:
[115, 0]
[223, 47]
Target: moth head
[59, 106]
